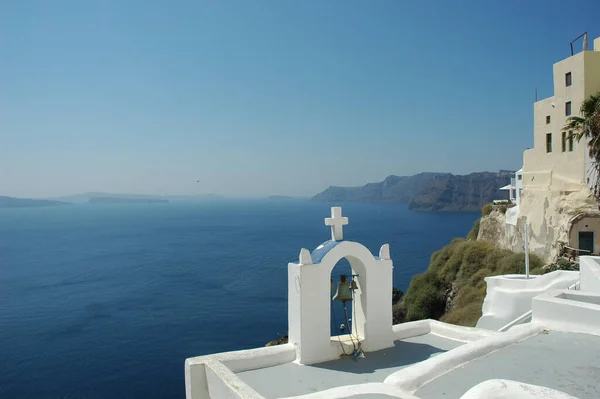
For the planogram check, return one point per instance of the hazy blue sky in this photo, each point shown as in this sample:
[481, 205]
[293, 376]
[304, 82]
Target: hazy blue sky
[269, 97]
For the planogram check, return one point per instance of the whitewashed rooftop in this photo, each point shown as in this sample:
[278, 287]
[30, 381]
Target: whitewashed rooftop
[292, 379]
[541, 339]
[567, 362]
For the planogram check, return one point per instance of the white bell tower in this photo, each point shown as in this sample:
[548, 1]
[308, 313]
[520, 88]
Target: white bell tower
[309, 296]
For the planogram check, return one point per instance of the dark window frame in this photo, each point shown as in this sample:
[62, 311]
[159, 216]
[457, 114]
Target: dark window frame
[548, 119]
[548, 143]
[564, 142]
[570, 139]
[568, 108]
[568, 79]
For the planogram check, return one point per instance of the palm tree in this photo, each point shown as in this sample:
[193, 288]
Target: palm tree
[588, 125]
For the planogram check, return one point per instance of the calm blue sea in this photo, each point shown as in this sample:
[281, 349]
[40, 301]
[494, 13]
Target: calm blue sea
[106, 301]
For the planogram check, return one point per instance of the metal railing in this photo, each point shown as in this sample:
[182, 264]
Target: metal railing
[574, 286]
[519, 320]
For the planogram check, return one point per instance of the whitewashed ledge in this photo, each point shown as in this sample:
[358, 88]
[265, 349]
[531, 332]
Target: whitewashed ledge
[214, 375]
[357, 391]
[503, 389]
[450, 331]
[413, 377]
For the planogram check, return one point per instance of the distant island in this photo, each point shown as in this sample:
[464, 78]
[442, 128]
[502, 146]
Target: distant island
[120, 200]
[12, 202]
[285, 197]
[427, 191]
[85, 198]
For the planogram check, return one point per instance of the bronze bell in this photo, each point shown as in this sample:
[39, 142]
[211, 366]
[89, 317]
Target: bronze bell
[343, 293]
[353, 285]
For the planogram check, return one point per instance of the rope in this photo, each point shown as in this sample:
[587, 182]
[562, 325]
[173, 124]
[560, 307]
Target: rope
[335, 319]
[353, 319]
[350, 329]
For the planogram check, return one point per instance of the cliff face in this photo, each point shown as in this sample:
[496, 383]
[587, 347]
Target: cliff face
[460, 193]
[547, 215]
[427, 191]
[493, 229]
[394, 189]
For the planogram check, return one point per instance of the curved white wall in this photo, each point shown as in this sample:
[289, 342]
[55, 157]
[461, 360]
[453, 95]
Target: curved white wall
[509, 296]
[589, 267]
[505, 389]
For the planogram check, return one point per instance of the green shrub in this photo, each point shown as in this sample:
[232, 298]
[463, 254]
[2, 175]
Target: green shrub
[447, 272]
[467, 295]
[503, 209]
[424, 298]
[493, 258]
[472, 259]
[487, 209]
[512, 264]
[464, 316]
[535, 262]
[474, 231]
[461, 265]
[399, 313]
[480, 276]
[561, 264]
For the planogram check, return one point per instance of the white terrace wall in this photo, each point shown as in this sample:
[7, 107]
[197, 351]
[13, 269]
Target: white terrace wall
[509, 296]
[589, 267]
[568, 310]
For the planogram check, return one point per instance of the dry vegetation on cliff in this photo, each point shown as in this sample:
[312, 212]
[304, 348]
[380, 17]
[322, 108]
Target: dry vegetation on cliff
[453, 287]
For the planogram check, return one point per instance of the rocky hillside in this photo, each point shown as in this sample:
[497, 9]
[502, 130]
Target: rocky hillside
[394, 189]
[460, 193]
[452, 289]
[426, 191]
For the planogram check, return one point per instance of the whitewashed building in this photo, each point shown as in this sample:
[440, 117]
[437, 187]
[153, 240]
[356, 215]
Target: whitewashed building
[558, 162]
[552, 190]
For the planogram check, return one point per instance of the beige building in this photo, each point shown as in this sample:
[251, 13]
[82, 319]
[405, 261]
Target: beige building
[558, 162]
[552, 191]
[555, 203]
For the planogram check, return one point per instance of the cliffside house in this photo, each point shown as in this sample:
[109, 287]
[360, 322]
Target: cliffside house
[558, 165]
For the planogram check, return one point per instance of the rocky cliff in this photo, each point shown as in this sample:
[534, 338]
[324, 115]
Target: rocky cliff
[427, 191]
[394, 189]
[460, 193]
[548, 216]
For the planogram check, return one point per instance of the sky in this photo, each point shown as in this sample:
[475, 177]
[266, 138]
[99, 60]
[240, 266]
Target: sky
[253, 98]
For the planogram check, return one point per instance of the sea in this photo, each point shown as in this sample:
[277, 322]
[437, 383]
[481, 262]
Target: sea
[107, 301]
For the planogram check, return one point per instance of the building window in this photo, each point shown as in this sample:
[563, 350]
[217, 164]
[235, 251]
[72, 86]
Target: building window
[570, 140]
[568, 79]
[568, 108]
[549, 142]
[519, 177]
[564, 141]
[547, 119]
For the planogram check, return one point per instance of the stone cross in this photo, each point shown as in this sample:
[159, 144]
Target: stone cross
[336, 221]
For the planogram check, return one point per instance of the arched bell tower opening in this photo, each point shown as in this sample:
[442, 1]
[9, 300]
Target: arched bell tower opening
[343, 289]
[311, 306]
